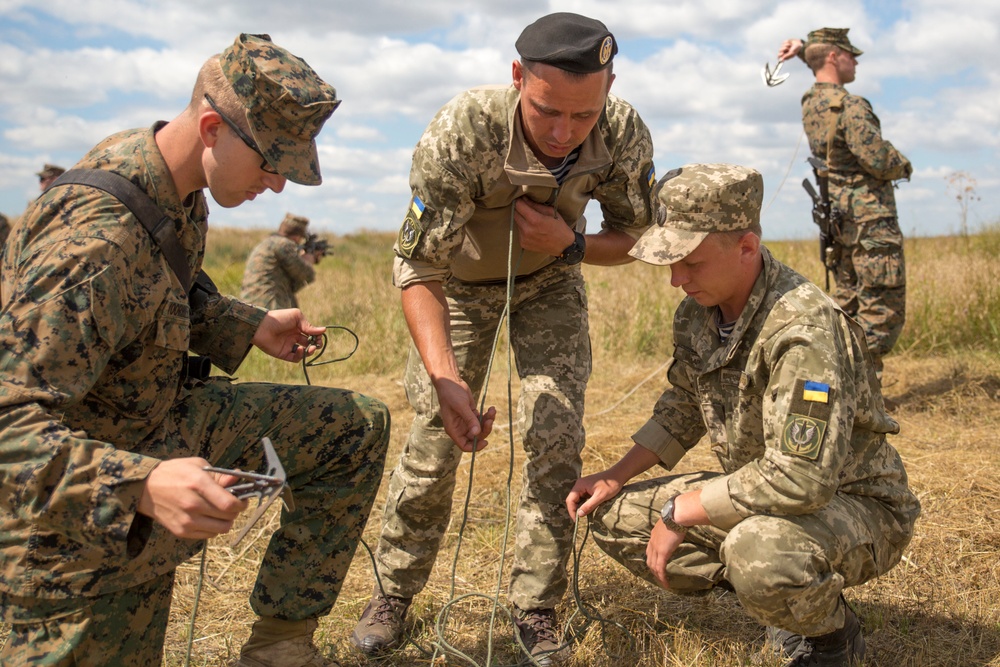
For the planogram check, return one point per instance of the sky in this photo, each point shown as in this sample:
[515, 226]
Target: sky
[74, 71]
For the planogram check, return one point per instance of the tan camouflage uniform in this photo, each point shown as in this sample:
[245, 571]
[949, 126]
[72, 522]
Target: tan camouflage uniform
[812, 498]
[94, 336]
[469, 168]
[870, 273]
[275, 271]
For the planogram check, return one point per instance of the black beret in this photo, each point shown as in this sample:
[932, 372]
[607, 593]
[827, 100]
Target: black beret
[568, 41]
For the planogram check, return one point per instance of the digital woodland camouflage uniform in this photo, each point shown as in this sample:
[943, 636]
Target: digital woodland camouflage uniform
[870, 273]
[469, 168]
[812, 498]
[275, 271]
[94, 336]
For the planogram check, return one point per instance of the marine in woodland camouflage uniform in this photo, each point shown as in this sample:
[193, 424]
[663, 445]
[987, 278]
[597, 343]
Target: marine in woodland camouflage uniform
[811, 498]
[483, 171]
[103, 439]
[846, 135]
[277, 268]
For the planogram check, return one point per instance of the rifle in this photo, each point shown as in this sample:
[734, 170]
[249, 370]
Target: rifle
[826, 217]
[315, 245]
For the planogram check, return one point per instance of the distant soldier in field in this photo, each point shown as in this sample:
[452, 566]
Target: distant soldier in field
[49, 173]
[105, 435]
[496, 163]
[279, 266]
[4, 230]
[811, 499]
[845, 134]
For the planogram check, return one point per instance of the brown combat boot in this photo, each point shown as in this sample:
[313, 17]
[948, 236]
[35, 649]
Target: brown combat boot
[841, 648]
[277, 643]
[539, 632]
[381, 625]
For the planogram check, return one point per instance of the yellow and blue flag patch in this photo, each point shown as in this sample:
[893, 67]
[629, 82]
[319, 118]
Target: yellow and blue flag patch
[817, 392]
[412, 229]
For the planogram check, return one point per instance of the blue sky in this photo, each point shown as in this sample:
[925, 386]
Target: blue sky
[74, 71]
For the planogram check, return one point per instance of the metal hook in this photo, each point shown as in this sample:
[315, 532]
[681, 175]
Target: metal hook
[264, 487]
[771, 77]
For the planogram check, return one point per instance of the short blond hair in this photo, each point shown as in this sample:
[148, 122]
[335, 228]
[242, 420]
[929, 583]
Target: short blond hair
[815, 55]
[211, 81]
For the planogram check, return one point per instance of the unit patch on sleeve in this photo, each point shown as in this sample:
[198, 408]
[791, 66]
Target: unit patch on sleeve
[412, 229]
[807, 419]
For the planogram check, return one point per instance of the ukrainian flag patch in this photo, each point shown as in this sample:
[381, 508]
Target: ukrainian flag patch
[651, 177]
[417, 206]
[816, 392]
[412, 229]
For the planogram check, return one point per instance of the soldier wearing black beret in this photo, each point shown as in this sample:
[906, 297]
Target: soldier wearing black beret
[524, 159]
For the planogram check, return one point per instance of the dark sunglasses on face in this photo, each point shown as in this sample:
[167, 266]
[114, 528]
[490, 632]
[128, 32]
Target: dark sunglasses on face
[251, 144]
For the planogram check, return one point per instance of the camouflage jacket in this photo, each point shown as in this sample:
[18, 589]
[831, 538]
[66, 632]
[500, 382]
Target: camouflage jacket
[861, 163]
[275, 272]
[473, 162]
[94, 336]
[790, 404]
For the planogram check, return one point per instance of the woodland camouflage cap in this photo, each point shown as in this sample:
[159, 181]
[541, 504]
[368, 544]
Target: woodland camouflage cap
[834, 37]
[293, 225]
[286, 104]
[50, 171]
[695, 201]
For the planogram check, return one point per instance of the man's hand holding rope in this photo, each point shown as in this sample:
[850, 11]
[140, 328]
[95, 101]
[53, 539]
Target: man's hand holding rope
[287, 335]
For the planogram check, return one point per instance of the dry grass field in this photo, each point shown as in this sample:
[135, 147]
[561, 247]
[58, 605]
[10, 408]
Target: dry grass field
[940, 607]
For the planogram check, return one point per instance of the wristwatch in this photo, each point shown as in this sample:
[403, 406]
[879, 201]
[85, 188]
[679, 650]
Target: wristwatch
[573, 254]
[667, 514]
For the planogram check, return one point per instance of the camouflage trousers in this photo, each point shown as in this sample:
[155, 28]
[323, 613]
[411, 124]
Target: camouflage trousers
[871, 281]
[551, 344]
[787, 571]
[332, 445]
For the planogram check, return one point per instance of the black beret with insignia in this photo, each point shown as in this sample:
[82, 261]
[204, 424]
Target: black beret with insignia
[568, 41]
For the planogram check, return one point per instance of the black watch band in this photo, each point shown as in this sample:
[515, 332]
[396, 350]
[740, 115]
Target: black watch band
[574, 252]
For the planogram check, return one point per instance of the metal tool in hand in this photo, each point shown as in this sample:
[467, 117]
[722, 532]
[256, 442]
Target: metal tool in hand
[771, 76]
[265, 487]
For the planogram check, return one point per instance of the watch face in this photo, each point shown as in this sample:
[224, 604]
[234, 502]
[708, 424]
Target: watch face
[575, 252]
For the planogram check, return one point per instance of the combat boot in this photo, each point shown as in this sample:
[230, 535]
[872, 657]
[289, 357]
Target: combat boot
[277, 643]
[538, 630]
[841, 648]
[381, 625]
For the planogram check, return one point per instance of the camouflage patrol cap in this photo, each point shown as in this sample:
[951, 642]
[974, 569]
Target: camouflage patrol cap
[568, 41]
[50, 171]
[285, 101]
[293, 225]
[694, 201]
[834, 37]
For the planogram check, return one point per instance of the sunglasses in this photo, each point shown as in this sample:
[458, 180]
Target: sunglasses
[251, 144]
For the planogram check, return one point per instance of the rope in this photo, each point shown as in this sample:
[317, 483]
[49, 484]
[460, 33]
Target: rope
[785, 177]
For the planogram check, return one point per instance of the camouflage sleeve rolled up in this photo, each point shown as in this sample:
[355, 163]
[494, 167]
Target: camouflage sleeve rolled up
[625, 194]
[863, 134]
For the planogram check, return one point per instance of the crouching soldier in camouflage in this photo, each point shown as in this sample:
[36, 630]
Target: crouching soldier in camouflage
[497, 162]
[103, 438]
[812, 498]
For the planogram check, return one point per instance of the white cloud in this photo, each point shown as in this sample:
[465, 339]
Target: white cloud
[73, 72]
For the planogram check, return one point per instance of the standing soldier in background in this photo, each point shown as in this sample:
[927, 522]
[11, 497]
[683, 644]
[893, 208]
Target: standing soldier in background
[49, 173]
[279, 267]
[500, 166]
[4, 230]
[845, 134]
